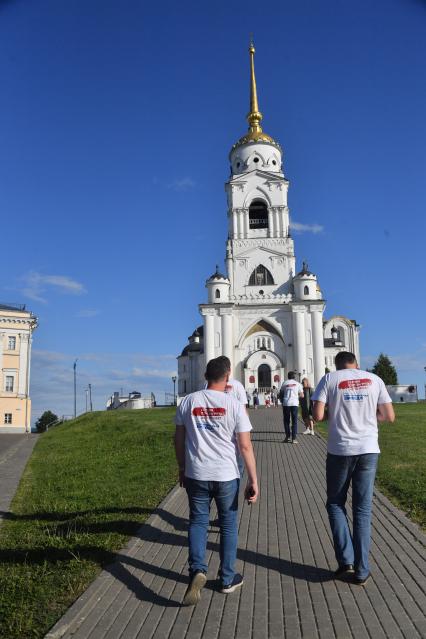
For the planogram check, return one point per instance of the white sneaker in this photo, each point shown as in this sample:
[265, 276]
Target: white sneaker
[312, 432]
[306, 432]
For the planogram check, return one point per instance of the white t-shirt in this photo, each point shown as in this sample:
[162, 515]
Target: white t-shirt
[352, 396]
[289, 392]
[211, 419]
[236, 389]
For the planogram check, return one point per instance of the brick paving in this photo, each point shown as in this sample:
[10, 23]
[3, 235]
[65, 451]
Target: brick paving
[285, 554]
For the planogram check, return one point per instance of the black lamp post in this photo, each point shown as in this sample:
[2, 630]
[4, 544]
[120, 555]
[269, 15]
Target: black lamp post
[174, 378]
[75, 388]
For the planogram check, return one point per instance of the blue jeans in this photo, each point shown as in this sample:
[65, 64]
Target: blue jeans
[290, 412]
[200, 495]
[361, 469]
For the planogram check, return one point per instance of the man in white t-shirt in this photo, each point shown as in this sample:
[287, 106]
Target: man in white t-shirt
[289, 395]
[211, 426]
[356, 401]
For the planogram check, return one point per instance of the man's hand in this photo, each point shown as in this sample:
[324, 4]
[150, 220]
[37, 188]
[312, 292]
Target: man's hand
[251, 492]
[182, 477]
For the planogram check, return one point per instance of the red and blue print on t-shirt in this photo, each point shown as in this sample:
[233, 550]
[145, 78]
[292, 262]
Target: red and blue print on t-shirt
[352, 388]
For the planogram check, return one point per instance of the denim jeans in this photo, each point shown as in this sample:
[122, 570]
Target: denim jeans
[361, 469]
[290, 412]
[200, 495]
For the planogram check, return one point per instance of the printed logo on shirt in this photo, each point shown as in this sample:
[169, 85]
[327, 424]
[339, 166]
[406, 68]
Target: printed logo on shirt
[228, 388]
[356, 386]
[208, 411]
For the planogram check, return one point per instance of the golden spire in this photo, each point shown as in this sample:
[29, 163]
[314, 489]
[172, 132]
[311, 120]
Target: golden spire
[254, 117]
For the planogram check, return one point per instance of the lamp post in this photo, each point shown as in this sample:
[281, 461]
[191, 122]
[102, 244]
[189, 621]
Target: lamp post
[75, 388]
[87, 393]
[90, 398]
[174, 378]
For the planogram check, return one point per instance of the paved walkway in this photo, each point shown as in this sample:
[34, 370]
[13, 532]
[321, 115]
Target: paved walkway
[285, 554]
[15, 450]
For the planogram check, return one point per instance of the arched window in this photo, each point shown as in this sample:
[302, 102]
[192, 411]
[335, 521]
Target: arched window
[264, 376]
[306, 290]
[217, 294]
[260, 276]
[258, 215]
[269, 343]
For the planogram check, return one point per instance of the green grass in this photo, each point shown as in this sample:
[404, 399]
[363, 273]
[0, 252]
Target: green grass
[401, 474]
[88, 486]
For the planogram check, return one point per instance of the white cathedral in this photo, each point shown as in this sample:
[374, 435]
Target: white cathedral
[266, 317]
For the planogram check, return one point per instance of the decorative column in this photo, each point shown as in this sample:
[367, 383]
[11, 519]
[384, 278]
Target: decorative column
[246, 222]
[276, 223]
[271, 222]
[23, 363]
[318, 342]
[299, 338]
[2, 337]
[209, 314]
[234, 224]
[227, 340]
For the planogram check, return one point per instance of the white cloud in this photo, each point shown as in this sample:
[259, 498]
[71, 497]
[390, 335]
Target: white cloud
[87, 312]
[182, 184]
[35, 285]
[306, 228]
[152, 372]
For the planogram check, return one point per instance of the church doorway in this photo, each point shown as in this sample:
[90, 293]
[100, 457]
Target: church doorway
[264, 377]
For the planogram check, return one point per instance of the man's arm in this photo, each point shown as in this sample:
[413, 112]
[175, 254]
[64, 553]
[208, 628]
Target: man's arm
[180, 451]
[246, 450]
[318, 412]
[385, 413]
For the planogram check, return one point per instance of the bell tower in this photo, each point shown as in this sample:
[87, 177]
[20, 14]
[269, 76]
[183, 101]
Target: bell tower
[258, 215]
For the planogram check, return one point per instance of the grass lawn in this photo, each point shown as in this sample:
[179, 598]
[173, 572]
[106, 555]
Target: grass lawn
[88, 486]
[401, 474]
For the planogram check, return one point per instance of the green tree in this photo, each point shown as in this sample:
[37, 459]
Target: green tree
[45, 420]
[385, 369]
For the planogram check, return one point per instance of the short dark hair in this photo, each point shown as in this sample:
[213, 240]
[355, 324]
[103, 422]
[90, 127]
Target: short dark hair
[343, 358]
[216, 369]
[225, 359]
[291, 375]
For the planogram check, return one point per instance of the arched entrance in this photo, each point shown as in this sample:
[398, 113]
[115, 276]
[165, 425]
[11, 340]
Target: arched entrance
[264, 377]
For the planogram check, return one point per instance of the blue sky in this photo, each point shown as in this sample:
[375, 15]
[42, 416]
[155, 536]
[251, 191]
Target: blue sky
[116, 120]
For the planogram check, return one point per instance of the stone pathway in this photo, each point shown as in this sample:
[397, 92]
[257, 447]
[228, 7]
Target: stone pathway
[285, 554]
[15, 450]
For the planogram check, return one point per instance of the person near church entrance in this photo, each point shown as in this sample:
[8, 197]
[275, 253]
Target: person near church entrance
[274, 396]
[211, 426]
[255, 399]
[306, 407]
[290, 392]
[356, 401]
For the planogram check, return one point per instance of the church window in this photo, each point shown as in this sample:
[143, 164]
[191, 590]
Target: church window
[9, 384]
[11, 343]
[261, 292]
[306, 290]
[269, 343]
[217, 294]
[263, 343]
[274, 162]
[256, 160]
[260, 277]
[258, 215]
[8, 418]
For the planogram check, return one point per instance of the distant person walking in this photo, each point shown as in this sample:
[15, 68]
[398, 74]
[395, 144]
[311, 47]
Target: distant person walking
[306, 407]
[289, 395]
[211, 426]
[356, 401]
[274, 396]
[255, 399]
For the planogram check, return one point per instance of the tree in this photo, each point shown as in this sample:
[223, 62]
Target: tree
[385, 370]
[45, 420]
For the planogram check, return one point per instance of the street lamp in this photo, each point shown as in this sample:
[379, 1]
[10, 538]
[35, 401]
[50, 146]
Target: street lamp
[75, 388]
[174, 378]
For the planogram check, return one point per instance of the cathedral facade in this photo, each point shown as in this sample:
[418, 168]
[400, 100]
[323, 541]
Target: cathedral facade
[263, 313]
